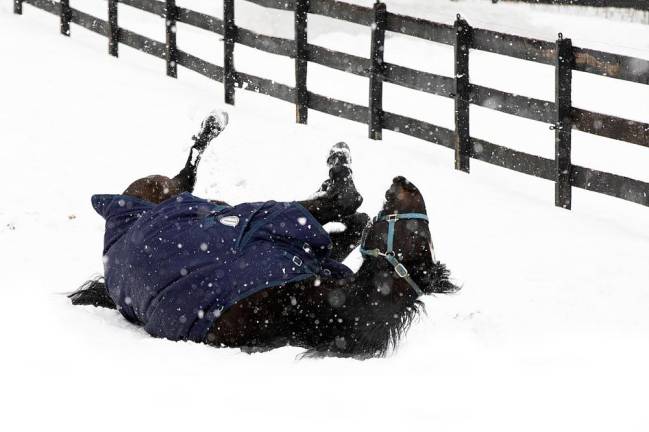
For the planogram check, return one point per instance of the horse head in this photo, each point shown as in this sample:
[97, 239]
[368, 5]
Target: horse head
[399, 237]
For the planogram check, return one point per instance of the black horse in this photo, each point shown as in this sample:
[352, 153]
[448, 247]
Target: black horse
[357, 315]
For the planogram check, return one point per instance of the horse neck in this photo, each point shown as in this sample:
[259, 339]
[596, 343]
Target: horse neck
[377, 278]
[378, 308]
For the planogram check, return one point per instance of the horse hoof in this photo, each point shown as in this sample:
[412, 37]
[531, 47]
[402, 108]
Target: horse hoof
[339, 155]
[211, 127]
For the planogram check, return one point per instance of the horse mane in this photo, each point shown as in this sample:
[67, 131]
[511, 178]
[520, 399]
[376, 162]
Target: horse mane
[385, 326]
[376, 340]
[440, 282]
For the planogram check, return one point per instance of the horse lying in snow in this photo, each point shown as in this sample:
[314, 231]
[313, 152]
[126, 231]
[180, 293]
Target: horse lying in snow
[264, 275]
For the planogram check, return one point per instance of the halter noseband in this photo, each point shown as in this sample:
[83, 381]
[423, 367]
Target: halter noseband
[389, 254]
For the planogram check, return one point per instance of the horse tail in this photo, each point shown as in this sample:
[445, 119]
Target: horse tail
[93, 292]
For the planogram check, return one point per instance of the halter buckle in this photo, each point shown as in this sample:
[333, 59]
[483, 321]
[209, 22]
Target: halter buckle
[297, 261]
[392, 217]
[401, 270]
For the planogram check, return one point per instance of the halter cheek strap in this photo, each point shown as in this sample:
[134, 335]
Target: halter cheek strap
[389, 253]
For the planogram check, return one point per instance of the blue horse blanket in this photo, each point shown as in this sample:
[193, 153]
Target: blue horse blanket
[176, 266]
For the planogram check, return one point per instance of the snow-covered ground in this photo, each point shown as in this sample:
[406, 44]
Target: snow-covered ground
[550, 331]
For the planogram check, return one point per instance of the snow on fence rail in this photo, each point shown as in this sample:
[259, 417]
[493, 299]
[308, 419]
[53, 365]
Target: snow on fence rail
[559, 113]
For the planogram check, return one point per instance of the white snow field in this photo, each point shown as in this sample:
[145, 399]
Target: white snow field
[549, 333]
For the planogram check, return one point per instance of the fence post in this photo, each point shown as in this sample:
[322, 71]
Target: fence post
[301, 62]
[65, 17]
[229, 36]
[463, 40]
[376, 72]
[171, 50]
[18, 7]
[113, 28]
[563, 122]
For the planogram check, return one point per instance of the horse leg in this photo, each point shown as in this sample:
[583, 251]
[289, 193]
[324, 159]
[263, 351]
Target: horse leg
[337, 197]
[346, 241]
[158, 188]
[337, 201]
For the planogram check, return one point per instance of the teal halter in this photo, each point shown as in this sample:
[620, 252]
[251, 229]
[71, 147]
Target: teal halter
[389, 254]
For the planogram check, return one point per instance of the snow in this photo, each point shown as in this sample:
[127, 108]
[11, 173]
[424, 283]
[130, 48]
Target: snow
[548, 333]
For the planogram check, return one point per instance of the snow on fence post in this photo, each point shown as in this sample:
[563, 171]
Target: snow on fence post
[376, 72]
[18, 7]
[563, 122]
[113, 28]
[65, 17]
[301, 61]
[462, 94]
[170, 26]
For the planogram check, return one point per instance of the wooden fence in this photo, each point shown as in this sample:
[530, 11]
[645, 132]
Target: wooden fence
[559, 114]
[642, 5]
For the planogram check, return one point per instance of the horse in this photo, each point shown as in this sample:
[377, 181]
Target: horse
[259, 276]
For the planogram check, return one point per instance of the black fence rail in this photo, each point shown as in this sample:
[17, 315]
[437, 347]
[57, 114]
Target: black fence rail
[559, 114]
[642, 5]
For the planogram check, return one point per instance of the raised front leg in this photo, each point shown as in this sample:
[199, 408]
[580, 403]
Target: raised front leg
[337, 198]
